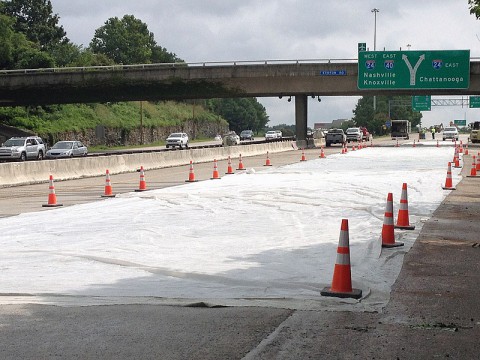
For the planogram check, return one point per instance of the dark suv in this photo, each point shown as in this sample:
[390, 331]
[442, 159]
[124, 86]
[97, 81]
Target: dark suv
[246, 135]
[23, 148]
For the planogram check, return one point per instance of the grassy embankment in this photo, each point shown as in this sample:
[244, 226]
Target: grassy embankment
[52, 121]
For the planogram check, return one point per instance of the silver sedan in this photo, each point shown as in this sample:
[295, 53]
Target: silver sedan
[66, 149]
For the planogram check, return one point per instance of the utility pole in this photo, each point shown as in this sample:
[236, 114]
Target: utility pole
[375, 11]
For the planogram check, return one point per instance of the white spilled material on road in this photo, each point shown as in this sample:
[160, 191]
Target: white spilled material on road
[264, 238]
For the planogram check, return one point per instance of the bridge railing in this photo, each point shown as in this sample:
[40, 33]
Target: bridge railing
[173, 65]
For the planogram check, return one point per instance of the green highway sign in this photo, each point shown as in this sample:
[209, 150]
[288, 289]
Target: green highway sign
[474, 102]
[422, 103]
[389, 70]
[460, 122]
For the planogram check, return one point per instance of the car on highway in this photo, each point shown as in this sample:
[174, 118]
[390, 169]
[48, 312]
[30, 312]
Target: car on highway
[67, 149]
[335, 136]
[230, 138]
[279, 134]
[271, 135]
[450, 132]
[23, 148]
[354, 134]
[179, 140]
[246, 135]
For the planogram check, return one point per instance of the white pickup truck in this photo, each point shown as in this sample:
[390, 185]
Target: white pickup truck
[335, 136]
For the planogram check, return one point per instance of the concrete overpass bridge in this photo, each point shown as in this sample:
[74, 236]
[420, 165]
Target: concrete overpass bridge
[276, 78]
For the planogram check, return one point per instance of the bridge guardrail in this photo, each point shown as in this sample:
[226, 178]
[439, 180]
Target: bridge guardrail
[182, 64]
[171, 65]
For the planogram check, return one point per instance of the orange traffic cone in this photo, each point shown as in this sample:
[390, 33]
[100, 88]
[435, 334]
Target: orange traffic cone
[303, 156]
[448, 181]
[466, 150]
[343, 149]
[414, 145]
[267, 161]
[371, 142]
[108, 186]
[397, 144]
[191, 173]
[460, 148]
[52, 198]
[473, 171]
[229, 167]
[438, 144]
[402, 219]
[215, 175]
[456, 158]
[388, 234]
[143, 185]
[353, 148]
[342, 277]
[322, 153]
[240, 163]
[346, 148]
[478, 162]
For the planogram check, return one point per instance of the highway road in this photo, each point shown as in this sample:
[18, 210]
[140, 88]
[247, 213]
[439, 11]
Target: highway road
[30, 198]
[422, 311]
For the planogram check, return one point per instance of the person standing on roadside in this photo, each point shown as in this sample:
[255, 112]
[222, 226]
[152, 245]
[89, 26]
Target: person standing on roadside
[433, 132]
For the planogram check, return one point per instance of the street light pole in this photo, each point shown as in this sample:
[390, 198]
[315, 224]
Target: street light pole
[375, 10]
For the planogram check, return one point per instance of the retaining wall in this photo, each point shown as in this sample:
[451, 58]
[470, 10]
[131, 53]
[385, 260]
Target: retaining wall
[30, 172]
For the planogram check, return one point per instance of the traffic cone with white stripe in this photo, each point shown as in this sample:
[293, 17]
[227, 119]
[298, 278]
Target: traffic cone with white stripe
[303, 156]
[403, 221]
[191, 173]
[388, 233]
[342, 278]
[466, 150]
[108, 186]
[215, 175]
[478, 162]
[448, 181]
[143, 184]
[240, 163]
[229, 167]
[267, 161]
[456, 158]
[52, 197]
[473, 171]
[322, 153]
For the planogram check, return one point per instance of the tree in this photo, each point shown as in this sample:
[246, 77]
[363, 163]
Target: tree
[35, 19]
[474, 6]
[241, 113]
[125, 41]
[6, 45]
[387, 108]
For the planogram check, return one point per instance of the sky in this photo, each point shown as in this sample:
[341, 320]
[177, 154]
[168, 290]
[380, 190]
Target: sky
[255, 238]
[218, 30]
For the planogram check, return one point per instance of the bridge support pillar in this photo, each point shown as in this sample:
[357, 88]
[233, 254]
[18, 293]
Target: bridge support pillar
[301, 106]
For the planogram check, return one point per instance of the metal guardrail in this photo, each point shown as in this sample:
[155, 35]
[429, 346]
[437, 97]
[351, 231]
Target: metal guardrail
[183, 65]
[171, 65]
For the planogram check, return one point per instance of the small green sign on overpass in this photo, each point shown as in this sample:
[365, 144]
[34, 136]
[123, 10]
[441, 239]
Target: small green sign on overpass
[474, 102]
[460, 122]
[442, 69]
[422, 103]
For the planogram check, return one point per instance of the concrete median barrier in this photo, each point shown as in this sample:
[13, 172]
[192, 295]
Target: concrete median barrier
[30, 172]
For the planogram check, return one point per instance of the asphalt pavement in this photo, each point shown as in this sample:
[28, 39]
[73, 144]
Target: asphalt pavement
[433, 313]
